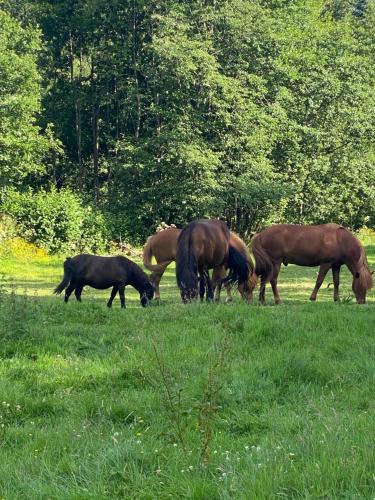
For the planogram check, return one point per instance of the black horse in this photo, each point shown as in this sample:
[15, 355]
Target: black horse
[104, 272]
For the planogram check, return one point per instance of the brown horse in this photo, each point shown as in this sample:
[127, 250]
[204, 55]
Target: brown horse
[104, 272]
[203, 245]
[163, 246]
[219, 274]
[327, 245]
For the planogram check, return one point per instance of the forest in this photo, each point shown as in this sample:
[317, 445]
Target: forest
[118, 115]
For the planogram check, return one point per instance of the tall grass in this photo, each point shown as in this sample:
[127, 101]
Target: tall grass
[198, 401]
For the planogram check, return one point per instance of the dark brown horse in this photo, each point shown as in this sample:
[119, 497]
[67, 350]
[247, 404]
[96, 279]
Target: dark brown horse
[163, 247]
[203, 245]
[326, 245]
[104, 272]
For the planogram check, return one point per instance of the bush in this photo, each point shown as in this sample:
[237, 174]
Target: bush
[56, 221]
[8, 228]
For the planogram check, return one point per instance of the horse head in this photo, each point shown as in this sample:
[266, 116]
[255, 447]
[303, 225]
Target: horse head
[362, 281]
[147, 295]
[246, 287]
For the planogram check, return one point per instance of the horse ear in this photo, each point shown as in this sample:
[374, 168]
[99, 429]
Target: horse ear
[357, 275]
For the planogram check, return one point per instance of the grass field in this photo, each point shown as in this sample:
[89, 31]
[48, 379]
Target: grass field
[200, 401]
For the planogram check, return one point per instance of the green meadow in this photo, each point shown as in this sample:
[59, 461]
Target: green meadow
[201, 401]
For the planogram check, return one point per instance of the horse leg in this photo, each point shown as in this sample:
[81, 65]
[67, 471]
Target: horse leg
[113, 295]
[323, 270]
[155, 280]
[121, 291]
[78, 291]
[208, 284]
[262, 290]
[217, 275]
[202, 287]
[273, 281]
[69, 290]
[228, 289]
[336, 282]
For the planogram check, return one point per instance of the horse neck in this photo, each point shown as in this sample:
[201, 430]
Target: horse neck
[138, 280]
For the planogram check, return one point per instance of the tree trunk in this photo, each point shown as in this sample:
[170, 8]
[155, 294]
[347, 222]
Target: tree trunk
[135, 69]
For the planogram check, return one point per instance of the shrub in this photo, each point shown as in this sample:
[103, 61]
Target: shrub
[8, 228]
[56, 221]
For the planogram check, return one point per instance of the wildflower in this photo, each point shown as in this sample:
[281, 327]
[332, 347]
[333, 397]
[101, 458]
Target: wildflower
[190, 467]
[158, 471]
[175, 445]
[246, 447]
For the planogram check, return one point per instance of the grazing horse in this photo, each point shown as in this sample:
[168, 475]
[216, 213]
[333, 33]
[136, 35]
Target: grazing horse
[104, 272]
[203, 245]
[325, 245]
[163, 246]
[219, 274]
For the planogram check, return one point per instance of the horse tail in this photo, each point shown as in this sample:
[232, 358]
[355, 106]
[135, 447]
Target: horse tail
[186, 262]
[263, 264]
[239, 266]
[147, 257]
[68, 275]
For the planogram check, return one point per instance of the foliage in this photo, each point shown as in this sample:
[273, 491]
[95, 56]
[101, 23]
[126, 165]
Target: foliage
[22, 146]
[57, 221]
[255, 111]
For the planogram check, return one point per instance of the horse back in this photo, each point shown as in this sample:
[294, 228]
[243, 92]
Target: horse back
[101, 272]
[303, 245]
[164, 244]
[210, 242]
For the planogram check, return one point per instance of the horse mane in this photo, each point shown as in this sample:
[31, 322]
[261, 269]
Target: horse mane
[365, 276]
[186, 261]
[138, 278]
[243, 249]
[364, 280]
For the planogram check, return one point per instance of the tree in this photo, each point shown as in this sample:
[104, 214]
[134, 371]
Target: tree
[22, 145]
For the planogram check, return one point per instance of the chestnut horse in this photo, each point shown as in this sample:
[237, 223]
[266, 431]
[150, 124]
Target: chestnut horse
[325, 245]
[203, 245]
[163, 246]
